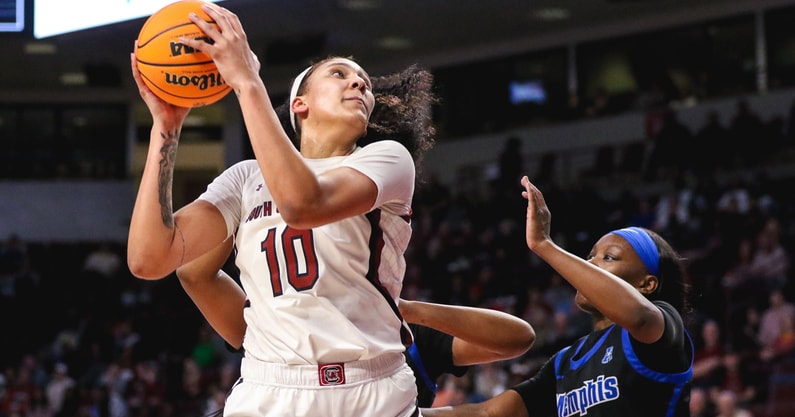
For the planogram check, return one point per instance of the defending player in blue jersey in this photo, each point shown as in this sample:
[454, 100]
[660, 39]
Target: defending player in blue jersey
[638, 359]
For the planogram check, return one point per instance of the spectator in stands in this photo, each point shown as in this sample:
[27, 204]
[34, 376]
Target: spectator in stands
[700, 403]
[741, 294]
[770, 262]
[59, 389]
[644, 214]
[559, 294]
[666, 156]
[708, 355]
[19, 392]
[731, 218]
[101, 274]
[737, 276]
[510, 164]
[775, 330]
[674, 213]
[711, 149]
[207, 352]
[13, 263]
[747, 131]
[39, 407]
[538, 312]
[103, 261]
[116, 380]
[735, 196]
[490, 379]
[147, 389]
[735, 375]
[744, 331]
[782, 349]
[727, 405]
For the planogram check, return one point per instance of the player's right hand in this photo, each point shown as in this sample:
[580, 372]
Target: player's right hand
[229, 49]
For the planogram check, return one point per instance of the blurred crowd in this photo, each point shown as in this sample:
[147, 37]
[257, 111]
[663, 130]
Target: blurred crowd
[85, 338]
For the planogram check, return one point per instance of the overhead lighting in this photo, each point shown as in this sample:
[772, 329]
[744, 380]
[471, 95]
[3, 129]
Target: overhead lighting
[358, 4]
[39, 48]
[552, 13]
[74, 78]
[395, 43]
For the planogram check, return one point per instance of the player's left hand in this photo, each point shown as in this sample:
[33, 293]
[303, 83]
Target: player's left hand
[538, 216]
[229, 49]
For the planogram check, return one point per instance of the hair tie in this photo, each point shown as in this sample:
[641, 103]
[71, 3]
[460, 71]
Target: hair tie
[644, 246]
[294, 92]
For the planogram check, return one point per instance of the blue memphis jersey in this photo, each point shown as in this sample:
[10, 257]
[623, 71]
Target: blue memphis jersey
[605, 377]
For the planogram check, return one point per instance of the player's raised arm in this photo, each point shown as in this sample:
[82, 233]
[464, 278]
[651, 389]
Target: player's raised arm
[159, 241]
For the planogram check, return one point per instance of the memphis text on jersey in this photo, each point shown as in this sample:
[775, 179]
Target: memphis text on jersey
[592, 393]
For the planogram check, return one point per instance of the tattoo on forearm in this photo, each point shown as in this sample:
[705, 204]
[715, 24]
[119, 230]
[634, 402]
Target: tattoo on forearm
[168, 155]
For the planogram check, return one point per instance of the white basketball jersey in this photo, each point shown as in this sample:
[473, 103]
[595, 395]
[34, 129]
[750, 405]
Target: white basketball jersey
[327, 294]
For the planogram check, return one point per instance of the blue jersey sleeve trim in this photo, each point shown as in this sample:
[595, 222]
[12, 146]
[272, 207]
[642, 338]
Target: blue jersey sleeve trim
[678, 380]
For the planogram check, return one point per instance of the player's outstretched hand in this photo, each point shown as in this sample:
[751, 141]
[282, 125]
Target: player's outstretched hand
[538, 216]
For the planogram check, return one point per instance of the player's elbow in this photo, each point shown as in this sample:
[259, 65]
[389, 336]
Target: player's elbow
[646, 326]
[522, 340]
[299, 217]
[528, 339]
[144, 267]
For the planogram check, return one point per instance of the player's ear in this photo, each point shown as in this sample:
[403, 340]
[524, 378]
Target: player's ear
[298, 105]
[648, 284]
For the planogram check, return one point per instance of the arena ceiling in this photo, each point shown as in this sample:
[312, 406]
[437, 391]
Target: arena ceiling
[382, 34]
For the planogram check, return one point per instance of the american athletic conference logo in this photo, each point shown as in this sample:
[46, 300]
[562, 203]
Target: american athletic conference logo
[331, 374]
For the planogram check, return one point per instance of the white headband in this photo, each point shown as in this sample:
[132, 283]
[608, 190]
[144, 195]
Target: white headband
[294, 92]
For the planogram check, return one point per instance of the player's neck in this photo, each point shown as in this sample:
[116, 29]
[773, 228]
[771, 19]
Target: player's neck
[315, 147]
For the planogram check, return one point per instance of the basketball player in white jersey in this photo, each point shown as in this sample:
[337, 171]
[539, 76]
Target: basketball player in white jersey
[319, 234]
[448, 339]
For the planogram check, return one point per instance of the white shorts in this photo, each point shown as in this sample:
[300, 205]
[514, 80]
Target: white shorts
[380, 387]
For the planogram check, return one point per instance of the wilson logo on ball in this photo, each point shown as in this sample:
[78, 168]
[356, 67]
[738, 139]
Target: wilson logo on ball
[202, 82]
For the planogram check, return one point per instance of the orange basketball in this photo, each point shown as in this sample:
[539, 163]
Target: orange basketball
[176, 72]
